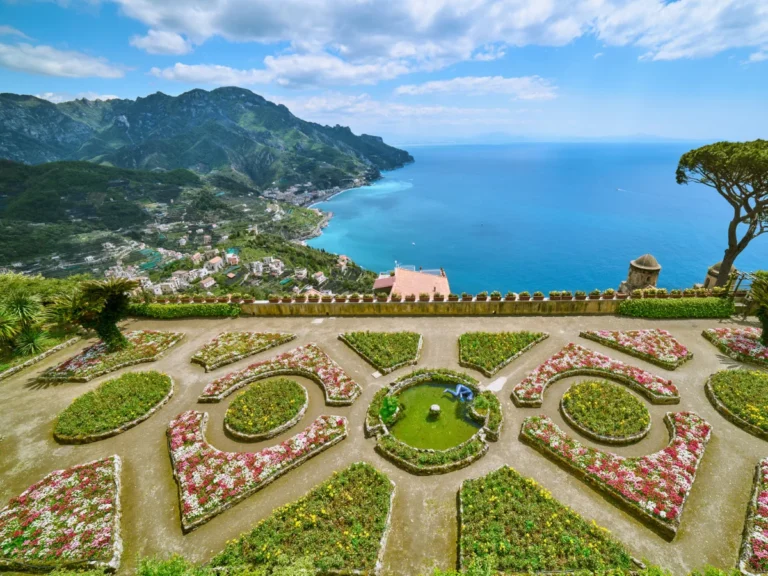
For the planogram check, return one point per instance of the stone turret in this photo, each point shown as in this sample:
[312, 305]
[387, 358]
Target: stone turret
[643, 273]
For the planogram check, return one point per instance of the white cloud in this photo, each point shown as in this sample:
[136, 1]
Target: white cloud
[49, 61]
[162, 42]
[11, 31]
[59, 97]
[759, 56]
[598, 55]
[211, 74]
[523, 88]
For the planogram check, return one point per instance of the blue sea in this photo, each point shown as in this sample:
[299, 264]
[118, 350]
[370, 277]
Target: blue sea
[536, 216]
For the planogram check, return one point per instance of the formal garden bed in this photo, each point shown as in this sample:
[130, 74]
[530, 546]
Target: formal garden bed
[652, 345]
[516, 525]
[229, 347]
[605, 412]
[754, 549]
[741, 344]
[428, 462]
[113, 407]
[266, 409]
[385, 351]
[198, 466]
[340, 526]
[96, 360]
[741, 396]
[489, 352]
[308, 361]
[18, 363]
[68, 520]
[575, 360]
[654, 487]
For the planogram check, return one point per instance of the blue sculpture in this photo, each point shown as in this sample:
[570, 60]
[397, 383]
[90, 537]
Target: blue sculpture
[462, 393]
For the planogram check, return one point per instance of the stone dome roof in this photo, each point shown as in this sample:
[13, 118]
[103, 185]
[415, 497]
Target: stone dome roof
[646, 262]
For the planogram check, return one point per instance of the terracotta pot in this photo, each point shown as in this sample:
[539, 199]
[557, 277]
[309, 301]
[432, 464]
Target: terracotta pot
[662, 295]
[353, 299]
[466, 298]
[509, 298]
[566, 297]
[381, 298]
[186, 300]
[274, 300]
[482, 298]
[286, 300]
[608, 296]
[524, 298]
[368, 299]
[581, 297]
[327, 299]
[248, 300]
[439, 298]
[555, 298]
[538, 298]
[621, 296]
[453, 298]
[594, 296]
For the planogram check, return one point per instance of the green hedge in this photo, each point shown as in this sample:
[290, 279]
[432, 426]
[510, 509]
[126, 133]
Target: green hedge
[677, 308]
[170, 311]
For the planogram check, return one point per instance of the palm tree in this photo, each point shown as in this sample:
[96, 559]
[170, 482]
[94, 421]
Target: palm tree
[102, 305]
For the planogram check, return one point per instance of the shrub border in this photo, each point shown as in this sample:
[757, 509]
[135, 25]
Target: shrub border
[666, 530]
[39, 358]
[749, 522]
[117, 546]
[64, 439]
[731, 353]
[504, 363]
[381, 369]
[610, 440]
[729, 415]
[179, 336]
[277, 430]
[286, 337]
[635, 353]
[426, 470]
[187, 527]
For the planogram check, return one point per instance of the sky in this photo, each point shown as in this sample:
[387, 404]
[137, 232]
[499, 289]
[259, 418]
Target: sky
[417, 71]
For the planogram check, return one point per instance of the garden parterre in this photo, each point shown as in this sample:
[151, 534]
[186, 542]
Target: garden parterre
[94, 361]
[743, 396]
[574, 360]
[70, 518]
[230, 347]
[265, 409]
[739, 343]
[210, 481]
[653, 345]
[385, 351]
[655, 487]
[754, 550]
[489, 352]
[308, 360]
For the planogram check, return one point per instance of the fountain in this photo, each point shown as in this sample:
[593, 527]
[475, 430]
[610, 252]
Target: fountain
[434, 410]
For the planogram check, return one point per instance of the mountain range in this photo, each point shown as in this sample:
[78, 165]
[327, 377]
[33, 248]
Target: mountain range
[226, 132]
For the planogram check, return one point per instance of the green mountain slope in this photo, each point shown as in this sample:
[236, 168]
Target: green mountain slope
[227, 131]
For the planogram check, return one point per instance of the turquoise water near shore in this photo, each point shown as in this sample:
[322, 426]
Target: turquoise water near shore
[536, 216]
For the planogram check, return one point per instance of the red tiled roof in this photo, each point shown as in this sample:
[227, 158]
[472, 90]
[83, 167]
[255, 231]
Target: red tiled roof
[408, 282]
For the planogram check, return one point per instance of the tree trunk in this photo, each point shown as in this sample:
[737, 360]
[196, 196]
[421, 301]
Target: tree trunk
[726, 266]
[111, 336]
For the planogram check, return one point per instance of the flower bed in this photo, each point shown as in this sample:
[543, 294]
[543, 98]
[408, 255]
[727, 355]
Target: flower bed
[69, 519]
[741, 344]
[574, 360]
[308, 361]
[211, 481]
[95, 361]
[655, 346]
[754, 548]
[113, 407]
[489, 352]
[741, 396]
[266, 409]
[385, 351]
[342, 525]
[426, 462]
[20, 364]
[517, 524]
[654, 487]
[230, 347]
[605, 412]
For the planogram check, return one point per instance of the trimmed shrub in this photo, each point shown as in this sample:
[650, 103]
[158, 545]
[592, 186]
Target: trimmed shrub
[677, 308]
[170, 311]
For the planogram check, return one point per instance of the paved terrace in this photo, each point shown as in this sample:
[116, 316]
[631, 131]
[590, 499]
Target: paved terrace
[424, 517]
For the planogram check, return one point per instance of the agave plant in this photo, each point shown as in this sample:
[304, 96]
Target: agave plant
[26, 308]
[31, 341]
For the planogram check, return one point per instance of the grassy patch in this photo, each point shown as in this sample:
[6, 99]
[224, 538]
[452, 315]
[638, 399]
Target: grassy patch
[429, 458]
[745, 393]
[489, 352]
[113, 404]
[677, 308]
[518, 522]
[385, 351]
[265, 405]
[606, 409]
[339, 524]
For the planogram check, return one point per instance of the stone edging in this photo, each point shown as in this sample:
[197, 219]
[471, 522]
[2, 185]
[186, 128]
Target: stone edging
[186, 528]
[176, 340]
[281, 372]
[630, 352]
[62, 439]
[117, 546]
[494, 370]
[232, 359]
[731, 353]
[611, 440]
[653, 398]
[19, 367]
[424, 470]
[728, 414]
[667, 531]
[749, 524]
[383, 371]
[269, 433]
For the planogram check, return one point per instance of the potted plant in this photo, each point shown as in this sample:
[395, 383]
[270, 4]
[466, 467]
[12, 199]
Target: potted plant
[566, 295]
[482, 296]
[524, 296]
[367, 297]
[395, 297]
[661, 293]
[381, 297]
[649, 293]
[581, 295]
[453, 297]
[609, 294]
[410, 298]
[637, 293]
[510, 297]
[248, 299]
[210, 299]
[438, 297]
[689, 293]
[718, 291]
[273, 298]
[340, 298]
[186, 299]
[554, 295]
[622, 295]
[702, 293]
[286, 299]
[423, 297]
[594, 294]
[465, 297]
[236, 298]
[327, 298]
[198, 299]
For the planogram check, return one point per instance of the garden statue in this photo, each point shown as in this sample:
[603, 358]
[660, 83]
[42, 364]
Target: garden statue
[462, 393]
[434, 410]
